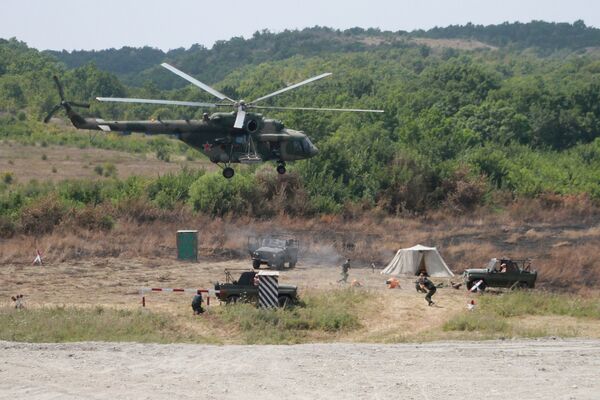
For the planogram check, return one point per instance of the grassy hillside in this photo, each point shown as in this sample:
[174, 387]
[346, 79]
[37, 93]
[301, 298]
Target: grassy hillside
[461, 129]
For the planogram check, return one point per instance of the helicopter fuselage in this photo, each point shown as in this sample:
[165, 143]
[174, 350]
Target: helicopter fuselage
[258, 140]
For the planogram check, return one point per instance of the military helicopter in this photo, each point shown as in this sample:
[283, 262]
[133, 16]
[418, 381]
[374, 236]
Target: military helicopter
[239, 136]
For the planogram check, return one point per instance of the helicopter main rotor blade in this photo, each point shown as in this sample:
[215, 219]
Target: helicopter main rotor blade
[196, 82]
[152, 101]
[294, 86]
[61, 93]
[240, 117]
[51, 113]
[319, 109]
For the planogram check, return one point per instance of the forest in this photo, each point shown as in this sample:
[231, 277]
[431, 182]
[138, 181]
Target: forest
[462, 128]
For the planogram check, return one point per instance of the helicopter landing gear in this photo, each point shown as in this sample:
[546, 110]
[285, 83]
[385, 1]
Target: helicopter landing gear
[281, 168]
[228, 172]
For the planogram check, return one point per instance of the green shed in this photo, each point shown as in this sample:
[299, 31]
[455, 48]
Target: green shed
[187, 245]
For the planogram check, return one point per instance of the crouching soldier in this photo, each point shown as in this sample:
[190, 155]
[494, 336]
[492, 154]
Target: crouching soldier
[426, 285]
[197, 303]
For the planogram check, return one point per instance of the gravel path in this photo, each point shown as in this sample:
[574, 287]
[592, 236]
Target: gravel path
[536, 369]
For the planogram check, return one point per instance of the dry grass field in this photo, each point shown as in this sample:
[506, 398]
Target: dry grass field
[56, 163]
[107, 268]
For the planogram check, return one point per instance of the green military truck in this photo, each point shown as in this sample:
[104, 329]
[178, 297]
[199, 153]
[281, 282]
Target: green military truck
[273, 251]
[246, 289]
[502, 272]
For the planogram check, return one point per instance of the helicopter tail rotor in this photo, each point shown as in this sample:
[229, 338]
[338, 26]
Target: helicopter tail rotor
[63, 103]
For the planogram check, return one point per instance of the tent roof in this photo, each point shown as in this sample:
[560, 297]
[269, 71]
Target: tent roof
[419, 247]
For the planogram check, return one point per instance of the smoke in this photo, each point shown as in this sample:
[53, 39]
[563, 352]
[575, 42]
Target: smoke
[320, 254]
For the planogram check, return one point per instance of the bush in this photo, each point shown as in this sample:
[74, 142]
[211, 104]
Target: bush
[42, 215]
[168, 190]
[82, 191]
[464, 192]
[212, 194]
[7, 227]
[93, 218]
[8, 178]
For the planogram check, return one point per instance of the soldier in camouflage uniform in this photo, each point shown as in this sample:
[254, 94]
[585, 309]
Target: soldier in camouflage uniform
[197, 303]
[426, 285]
[345, 268]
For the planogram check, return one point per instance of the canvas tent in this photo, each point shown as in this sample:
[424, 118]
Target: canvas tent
[418, 258]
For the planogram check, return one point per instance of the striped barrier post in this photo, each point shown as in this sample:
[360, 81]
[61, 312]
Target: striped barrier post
[209, 292]
[475, 287]
[268, 289]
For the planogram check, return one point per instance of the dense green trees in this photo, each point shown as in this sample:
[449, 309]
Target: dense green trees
[457, 126]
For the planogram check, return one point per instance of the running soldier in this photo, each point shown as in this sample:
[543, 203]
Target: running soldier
[426, 285]
[345, 268]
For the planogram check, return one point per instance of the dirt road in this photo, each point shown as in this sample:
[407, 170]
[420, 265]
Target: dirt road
[540, 369]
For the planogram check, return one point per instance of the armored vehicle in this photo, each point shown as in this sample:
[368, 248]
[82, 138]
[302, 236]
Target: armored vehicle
[246, 289]
[273, 251]
[502, 272]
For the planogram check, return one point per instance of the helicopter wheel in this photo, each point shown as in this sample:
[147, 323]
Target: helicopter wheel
[281, 169]
[228, 172]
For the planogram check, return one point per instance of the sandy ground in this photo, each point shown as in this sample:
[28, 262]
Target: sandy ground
[541, 369]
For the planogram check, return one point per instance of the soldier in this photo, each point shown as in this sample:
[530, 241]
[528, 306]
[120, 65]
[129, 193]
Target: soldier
[197, 303]
[425, 284]
[345, 268]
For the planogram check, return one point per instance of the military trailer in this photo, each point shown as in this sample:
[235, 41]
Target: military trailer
[245, 289]
[273, 251]
[502, 272]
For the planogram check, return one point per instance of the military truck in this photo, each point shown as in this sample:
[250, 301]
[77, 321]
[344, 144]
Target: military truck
[273, 251]
[502, 272]
[246, 289]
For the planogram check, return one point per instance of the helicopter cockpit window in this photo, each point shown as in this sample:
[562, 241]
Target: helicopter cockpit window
[306, 145]
[297, 145]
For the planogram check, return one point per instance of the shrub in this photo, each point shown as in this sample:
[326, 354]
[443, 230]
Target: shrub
[85, 192]
[464, 192]
[214, 195]
[109, 170]
[8, 178]
[166, 191]
[99, 169]
[93, 218]
[42, 215]
[7, 227]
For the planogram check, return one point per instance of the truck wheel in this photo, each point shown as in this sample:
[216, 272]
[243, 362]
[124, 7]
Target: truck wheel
[256, 264]
[284, 301]
[234, 298]
[522, 286]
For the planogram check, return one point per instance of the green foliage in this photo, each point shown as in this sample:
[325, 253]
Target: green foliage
[71, 324]
[457, 124]
[493, 311]
[211, 194]
[522, 303]
[337, 311]
[168, 190]
[8, 177]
